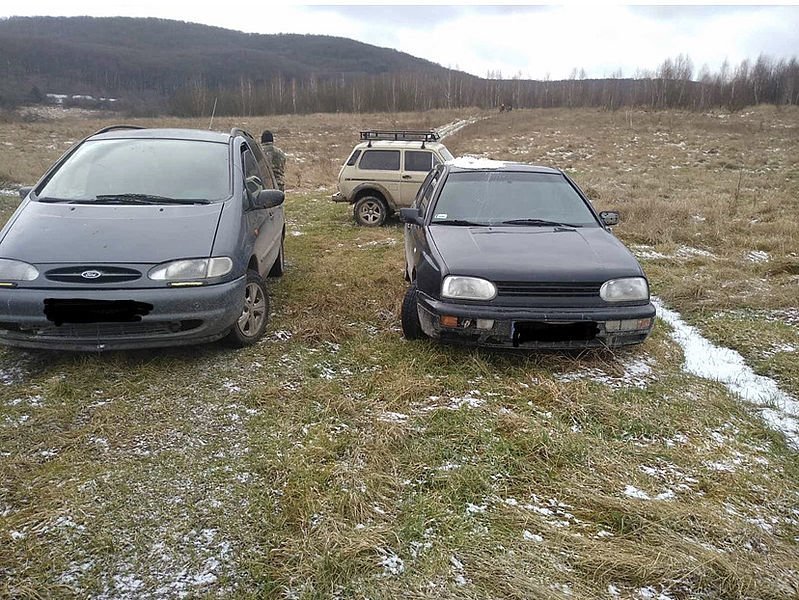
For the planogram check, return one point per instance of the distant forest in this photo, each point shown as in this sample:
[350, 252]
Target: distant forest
[185, 69]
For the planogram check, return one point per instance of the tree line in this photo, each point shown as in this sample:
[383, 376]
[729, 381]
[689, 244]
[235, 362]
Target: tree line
[674, 84]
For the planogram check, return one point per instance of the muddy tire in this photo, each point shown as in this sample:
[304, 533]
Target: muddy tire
[370, 211]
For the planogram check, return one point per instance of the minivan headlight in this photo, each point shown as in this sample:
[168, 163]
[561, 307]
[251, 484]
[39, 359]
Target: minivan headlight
[16, 270]
[194, 268]
[468, 288]
[627, 289]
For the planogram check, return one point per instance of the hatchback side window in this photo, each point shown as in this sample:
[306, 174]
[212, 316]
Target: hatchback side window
[426, 192]
[381, 160]
[418, 160]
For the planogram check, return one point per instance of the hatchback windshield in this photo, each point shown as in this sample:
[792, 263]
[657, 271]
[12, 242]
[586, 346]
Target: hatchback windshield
[510, 198]
[157, 168]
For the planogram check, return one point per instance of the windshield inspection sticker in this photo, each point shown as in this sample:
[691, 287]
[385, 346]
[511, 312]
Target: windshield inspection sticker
[441, 216]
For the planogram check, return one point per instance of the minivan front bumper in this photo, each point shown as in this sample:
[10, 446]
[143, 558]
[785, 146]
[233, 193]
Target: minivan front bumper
[553, 328]
[174, 316]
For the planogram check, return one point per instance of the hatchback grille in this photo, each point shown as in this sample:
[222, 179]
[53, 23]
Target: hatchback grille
[540, 289]
[91, 275]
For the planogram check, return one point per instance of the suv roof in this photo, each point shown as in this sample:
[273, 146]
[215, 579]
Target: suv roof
[399, 144]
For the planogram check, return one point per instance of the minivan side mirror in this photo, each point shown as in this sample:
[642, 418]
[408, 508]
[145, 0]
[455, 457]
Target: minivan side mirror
[609, 217]
[25, 190]
[412, 216]
[268, 199]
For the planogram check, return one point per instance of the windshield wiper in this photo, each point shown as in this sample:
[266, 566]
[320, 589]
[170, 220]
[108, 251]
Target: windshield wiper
[137, 199]
[539, 223]
[457, 222]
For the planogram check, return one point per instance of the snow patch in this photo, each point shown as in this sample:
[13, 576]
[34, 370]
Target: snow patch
[757, 256]
[392, 565]
[475, 162]
[704, 359]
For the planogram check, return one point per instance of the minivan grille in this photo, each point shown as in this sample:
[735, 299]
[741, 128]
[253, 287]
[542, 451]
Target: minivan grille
[540, 289]
[91, 275]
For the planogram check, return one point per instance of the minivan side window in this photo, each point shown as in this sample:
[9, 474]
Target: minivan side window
[381, 160]
[267, 177]
[417, 160]
[252, 175]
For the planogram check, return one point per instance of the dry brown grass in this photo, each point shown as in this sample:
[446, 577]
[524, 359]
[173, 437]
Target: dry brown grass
[297, 467]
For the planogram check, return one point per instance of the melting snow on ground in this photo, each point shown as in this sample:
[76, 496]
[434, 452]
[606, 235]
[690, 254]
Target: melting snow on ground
[637, 373]
[454, 127]
[757, 256]
[705, 359]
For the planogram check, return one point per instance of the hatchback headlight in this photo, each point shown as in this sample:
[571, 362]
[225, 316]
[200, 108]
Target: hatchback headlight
[627, 289]
[16, 270]
[468, 288]
[192, 269]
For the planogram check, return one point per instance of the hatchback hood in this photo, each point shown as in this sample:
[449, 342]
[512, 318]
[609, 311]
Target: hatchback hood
[522, 253]
[75, 233]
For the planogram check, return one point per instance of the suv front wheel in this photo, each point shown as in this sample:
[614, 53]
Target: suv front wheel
[370, 211]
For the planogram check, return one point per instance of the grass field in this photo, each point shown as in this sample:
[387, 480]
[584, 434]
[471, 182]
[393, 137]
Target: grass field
[337, 460]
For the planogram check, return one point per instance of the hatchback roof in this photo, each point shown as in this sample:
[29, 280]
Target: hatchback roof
[472, 163]
[173, 134]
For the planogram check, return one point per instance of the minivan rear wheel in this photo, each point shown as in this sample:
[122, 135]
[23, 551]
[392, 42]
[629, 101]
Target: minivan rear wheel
[251, 324]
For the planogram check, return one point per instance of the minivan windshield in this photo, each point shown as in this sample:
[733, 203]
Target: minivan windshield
[511, 199]
[142, 170]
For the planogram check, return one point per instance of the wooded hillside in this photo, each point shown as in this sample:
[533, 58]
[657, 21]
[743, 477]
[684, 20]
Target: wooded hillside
[185, 69]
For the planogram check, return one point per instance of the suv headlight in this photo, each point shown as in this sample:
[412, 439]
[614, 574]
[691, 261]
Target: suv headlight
[192, 269]
[16, 270]
[468, 288]
[627, 289]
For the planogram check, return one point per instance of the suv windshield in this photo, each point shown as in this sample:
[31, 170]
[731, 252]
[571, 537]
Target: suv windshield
[510, 198]
[137, 168]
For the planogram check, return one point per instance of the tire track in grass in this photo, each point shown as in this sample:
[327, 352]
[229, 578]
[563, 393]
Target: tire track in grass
[704, 359]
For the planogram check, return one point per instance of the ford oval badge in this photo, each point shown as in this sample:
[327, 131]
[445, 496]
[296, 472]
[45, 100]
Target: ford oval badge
[91, 274]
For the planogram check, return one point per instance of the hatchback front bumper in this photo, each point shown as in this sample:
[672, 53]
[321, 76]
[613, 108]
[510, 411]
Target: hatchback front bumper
[174, 316]
[554, 328]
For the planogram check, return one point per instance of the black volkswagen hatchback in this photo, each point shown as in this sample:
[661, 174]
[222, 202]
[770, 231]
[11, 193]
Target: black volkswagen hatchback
[143, 237]
[513, 255]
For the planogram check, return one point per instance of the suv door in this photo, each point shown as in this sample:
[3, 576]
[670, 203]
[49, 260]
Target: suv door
[416, 165]
[382, 167]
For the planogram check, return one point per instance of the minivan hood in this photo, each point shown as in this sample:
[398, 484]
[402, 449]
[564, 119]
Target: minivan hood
[80, 233]
[522, 253]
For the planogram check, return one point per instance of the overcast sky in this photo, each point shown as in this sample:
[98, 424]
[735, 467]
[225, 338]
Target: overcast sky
[534, 41]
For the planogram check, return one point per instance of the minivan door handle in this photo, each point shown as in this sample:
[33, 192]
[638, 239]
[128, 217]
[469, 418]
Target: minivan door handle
[406, 176]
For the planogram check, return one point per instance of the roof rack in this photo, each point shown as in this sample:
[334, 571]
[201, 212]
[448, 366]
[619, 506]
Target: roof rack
[407, 135]
[115, 127]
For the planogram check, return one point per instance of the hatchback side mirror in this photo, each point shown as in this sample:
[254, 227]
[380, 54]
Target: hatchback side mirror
[24, 191]
[268, 199]
[609, 217]
[412, 216]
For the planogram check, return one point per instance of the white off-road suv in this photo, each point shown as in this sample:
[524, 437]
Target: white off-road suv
[385, 170]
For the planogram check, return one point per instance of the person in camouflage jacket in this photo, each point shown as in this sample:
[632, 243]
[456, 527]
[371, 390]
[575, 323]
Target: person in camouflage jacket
[276, 157]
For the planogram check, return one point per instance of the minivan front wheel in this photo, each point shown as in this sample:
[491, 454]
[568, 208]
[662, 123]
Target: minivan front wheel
[370, 211]
[251, 324]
